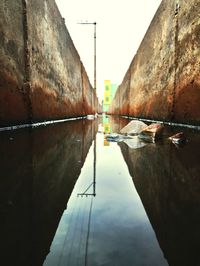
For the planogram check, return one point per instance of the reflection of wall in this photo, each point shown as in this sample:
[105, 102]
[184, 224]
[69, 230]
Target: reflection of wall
[167, 180]
[112, 125]
[38, 171]
[117, 123]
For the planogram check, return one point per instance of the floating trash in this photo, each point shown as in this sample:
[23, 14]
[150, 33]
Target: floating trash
[134, 143]
[178, 138]
[151, 132]
[134, 127]
[114, 137]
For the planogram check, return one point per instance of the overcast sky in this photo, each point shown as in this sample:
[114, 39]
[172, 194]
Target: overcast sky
[121, 25]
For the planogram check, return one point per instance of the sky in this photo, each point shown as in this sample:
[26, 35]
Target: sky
[121, 26]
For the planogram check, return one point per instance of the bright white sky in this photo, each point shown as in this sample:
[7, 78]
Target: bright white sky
[121, 25]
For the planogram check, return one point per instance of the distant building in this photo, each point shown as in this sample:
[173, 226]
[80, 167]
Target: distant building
[109, 93]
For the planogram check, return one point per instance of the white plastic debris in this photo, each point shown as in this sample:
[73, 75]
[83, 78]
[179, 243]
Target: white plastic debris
[134, 127]
[134, 143]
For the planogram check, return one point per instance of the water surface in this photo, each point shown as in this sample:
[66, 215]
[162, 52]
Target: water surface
[69, 197]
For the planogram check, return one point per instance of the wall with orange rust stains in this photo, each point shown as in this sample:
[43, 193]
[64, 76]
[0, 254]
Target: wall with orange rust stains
[87, 93]
[120, 103]
[164, 81]
[41, 74]
[13, 102]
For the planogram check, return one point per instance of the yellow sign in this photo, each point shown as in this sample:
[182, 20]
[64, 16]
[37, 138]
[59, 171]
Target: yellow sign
[107, 92]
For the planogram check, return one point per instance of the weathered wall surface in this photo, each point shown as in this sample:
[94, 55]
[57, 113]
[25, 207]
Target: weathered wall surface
[12, 63]
[163, 81]
[121, 101]
[41, 76]
[88, 101]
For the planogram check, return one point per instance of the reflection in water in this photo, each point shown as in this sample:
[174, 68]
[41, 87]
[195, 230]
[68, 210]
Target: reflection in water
[109, 229]
[38, 171]
[106, 129]
[168, 182]
[104, 220]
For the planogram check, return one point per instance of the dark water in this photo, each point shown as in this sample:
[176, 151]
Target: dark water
[69, 197]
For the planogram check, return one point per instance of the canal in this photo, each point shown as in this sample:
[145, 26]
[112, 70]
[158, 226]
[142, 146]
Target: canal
[70, 197]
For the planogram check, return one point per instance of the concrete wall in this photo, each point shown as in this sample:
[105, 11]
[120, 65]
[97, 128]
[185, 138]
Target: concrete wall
[12, 63]
[163, 81]
[121, 101]
[88, 96]
[41, 74]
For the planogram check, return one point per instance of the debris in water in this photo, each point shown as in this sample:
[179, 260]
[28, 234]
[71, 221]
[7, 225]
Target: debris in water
[178, 138]
[134, 127]
[134, 143]
[151, 132]
[91, 117]
[113, 137]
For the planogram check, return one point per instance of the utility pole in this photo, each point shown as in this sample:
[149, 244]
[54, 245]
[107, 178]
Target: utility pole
[95, 59]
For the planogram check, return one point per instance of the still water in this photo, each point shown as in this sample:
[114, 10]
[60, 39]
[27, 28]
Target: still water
[69, 197]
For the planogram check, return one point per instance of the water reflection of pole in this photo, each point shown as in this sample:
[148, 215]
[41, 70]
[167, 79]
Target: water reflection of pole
[88, 233]
[94, 194]
[94, 167]
[94, 173]
[90, 194]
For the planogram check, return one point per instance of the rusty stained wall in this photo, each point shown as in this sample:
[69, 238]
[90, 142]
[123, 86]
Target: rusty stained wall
[120, 103]
[88, 96]
[163, 81]
[12, 64]
[41, 74]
